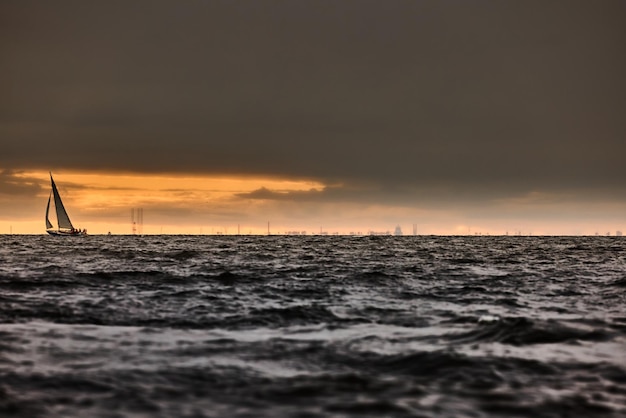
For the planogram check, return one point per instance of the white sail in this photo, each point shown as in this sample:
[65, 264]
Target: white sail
[48, 224]
[62, 217]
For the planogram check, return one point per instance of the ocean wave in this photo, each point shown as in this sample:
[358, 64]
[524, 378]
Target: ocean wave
[312, 326]
[524, 331]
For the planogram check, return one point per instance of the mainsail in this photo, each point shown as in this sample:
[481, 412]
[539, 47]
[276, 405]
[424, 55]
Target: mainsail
[63, 219]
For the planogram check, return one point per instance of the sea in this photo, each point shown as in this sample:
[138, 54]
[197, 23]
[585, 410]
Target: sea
[312, 326]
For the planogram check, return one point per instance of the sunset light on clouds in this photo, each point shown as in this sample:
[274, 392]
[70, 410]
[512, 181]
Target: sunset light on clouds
[173, 203]
[195, 204]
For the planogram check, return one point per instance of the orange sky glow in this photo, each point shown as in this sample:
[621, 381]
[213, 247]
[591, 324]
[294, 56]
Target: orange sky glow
[197, 204]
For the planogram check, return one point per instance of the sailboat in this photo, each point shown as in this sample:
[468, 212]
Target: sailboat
[65, 225]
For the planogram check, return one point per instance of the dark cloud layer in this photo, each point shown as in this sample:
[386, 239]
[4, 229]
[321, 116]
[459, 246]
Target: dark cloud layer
[452, 94]
[16, 186]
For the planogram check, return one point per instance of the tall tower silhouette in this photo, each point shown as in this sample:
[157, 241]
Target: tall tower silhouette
[136, 220]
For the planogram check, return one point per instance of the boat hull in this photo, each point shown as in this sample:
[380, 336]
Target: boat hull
[66, 233]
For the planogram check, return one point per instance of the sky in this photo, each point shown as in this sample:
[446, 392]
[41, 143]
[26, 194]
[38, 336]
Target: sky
[447, 116]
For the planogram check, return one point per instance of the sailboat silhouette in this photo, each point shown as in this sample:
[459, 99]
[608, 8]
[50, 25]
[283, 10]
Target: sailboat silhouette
[65, 227]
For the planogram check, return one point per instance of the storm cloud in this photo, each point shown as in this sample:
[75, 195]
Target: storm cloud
[481, 97]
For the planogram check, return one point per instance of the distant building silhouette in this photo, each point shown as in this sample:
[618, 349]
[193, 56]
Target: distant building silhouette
[398, 230]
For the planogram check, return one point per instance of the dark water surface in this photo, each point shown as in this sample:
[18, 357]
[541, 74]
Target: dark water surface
[177, 326]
